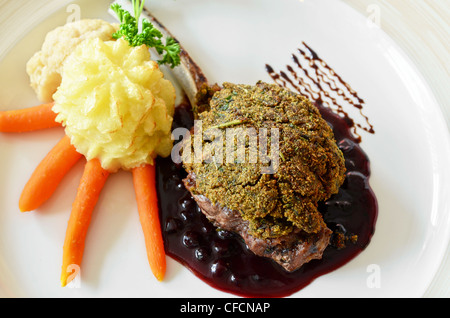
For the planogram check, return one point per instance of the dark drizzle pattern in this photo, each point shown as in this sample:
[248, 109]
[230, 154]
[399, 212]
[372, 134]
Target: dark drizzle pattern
[318, 82]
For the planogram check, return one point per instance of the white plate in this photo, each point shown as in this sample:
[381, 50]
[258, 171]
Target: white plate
[232, 41]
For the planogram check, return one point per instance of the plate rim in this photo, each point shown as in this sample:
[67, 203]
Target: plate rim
[62, 4]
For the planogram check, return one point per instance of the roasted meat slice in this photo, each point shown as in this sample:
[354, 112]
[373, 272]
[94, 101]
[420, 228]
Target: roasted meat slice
[275, 211]
[291, 251]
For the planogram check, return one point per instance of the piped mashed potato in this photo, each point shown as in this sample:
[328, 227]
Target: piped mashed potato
[45, 66]
[115, 104]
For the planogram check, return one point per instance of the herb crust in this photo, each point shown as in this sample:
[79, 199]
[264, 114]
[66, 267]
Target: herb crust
[311, 166]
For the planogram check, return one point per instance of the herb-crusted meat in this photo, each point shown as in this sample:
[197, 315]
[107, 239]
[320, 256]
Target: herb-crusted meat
[310, 166]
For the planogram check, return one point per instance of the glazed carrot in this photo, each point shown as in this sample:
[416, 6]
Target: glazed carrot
[48, 174]
[28, 119]
[146, 198]
[91, 184]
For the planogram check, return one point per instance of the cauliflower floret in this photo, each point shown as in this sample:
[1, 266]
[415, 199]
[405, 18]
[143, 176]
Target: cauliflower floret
[115, 104]
[45, 67]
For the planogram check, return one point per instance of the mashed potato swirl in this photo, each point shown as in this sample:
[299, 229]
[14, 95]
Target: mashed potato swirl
[115, 104]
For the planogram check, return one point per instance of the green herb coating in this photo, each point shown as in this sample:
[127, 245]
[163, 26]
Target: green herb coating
[311, 166]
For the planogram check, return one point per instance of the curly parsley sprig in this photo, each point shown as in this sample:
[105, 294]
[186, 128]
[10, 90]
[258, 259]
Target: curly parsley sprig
[149, 35]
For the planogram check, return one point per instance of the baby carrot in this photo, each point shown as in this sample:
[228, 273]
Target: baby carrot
[28, 119]
[48, 174]
[146, 198]
[91, 184]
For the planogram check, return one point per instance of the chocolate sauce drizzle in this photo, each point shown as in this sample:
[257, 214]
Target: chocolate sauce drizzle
[318, 82]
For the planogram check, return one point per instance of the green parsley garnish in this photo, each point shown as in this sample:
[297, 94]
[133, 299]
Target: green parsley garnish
[149, 35]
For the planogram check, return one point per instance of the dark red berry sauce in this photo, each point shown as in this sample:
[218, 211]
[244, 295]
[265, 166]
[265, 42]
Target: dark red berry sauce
[222, 260]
